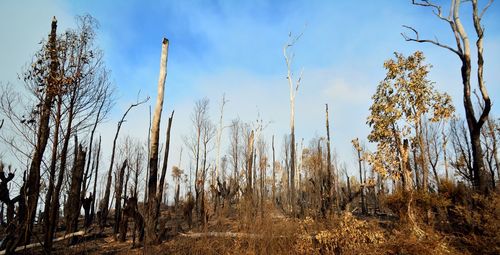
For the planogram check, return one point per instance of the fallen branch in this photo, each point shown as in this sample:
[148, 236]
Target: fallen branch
[221, 234]
[40, 244]
[235, 235]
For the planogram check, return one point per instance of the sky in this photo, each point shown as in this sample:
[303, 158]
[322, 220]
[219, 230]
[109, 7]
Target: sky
[236, 48]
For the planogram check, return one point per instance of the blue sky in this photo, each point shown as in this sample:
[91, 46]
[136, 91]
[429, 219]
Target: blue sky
[235, 47]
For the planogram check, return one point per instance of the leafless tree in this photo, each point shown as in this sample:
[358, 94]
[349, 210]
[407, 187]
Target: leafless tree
[294, 87]
[151, 219]
[103, 206]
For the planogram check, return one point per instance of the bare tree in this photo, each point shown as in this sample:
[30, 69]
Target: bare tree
[103, 206]
[74, 196]
[161, 185]
[151, 220]
[219, 136]
[463, 51]
[294, 87]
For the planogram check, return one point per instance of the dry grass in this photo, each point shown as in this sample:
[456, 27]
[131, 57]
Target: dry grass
[449, 224]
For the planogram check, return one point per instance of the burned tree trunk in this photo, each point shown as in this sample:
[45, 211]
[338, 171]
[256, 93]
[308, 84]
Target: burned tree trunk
[151, 220]
[92, 206]
[33, 181]
[159, 194]
[249, 190]
[118, 197]
[52, 169]
[74, 197]
[274, 172]
[329, 189]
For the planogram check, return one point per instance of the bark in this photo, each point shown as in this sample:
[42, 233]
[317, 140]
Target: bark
[151, 220]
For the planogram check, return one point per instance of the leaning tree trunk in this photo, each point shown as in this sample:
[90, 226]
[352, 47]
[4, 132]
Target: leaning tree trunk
[151, 220]
[159, 194]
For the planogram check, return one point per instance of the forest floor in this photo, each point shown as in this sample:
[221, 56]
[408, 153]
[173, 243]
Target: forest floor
[241, 231]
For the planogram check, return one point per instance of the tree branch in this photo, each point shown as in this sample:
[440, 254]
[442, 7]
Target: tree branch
[485, 8]
[417, 39]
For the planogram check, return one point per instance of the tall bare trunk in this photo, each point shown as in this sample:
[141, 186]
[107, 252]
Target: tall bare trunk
[329, 159]
[274, 172]
[249, 159]
[151, 220]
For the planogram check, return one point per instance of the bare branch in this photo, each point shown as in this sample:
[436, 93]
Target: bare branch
[485, 8]
[417, 39]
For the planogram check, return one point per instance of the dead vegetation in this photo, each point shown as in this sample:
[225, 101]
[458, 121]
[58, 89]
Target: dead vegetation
[245, 201]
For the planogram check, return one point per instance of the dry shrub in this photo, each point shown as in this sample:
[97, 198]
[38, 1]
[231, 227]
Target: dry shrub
[455, 216]
[477, 226]
[348, 236]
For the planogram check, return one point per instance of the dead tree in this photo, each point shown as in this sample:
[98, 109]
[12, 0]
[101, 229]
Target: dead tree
[52, 168]
[249, 162]
[86, 204]
[151, 220]
[96, 163]
[159, 194]
[274, 172]
[103, 205]
[463, 51]
[219, 136]
[118, 197]
[329, 160]
[74, 196]
[294, 87]
[33, 181]
[132, 211]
